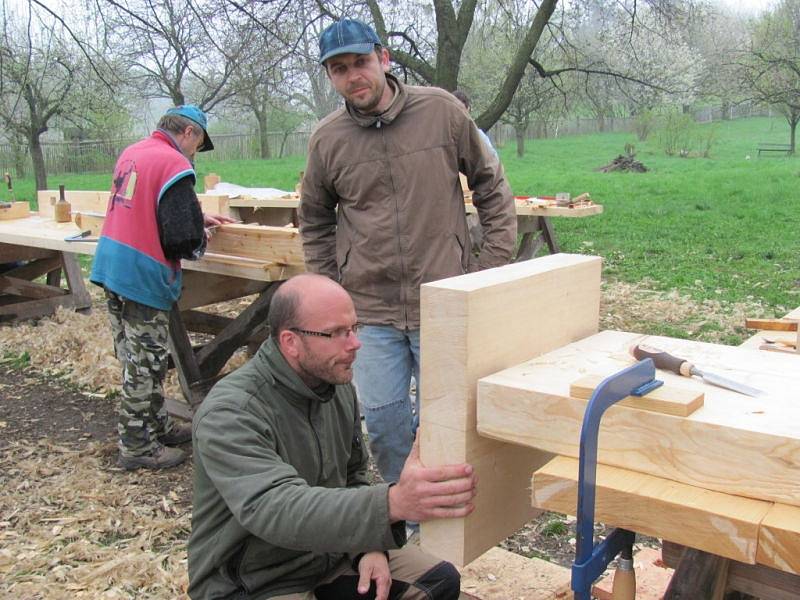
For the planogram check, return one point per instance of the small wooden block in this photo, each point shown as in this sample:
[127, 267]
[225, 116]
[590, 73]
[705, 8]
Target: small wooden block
[666, 399]
[17, 210]
[88, 221]
[210, 181]
[771, 324]
[779, 539]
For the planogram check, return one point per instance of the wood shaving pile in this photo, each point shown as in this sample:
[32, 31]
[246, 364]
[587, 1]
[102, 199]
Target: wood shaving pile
[79, 346]
[640, 308]
[73, 528]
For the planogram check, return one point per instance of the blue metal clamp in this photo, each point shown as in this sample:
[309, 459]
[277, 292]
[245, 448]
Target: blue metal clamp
[591, 560]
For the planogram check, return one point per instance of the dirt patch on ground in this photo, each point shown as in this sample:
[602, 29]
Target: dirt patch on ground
[73, 525]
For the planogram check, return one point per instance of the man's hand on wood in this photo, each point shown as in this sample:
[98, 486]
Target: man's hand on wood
[424, 493]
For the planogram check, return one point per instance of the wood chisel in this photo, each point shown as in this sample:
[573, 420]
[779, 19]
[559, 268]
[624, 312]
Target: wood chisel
[681, 366]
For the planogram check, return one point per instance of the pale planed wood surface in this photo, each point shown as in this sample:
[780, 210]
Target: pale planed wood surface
[667, 399]
[466, 333]
[529, 210]
[779, 541]
[790, 337]
[80, 201]
[734, 443]
[37, 231]
[711, 521]
[280, 245]
[17, 210]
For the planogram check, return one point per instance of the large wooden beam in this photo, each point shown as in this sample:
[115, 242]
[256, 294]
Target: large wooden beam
[472, 326]
[733, 443]
[280, 245]
[711, 521]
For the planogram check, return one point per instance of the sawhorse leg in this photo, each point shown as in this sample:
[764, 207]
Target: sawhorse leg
[530, 244]
[23, 298]
[198, 370]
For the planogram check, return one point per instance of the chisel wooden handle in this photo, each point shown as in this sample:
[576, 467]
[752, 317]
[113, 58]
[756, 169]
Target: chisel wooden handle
[663, 360]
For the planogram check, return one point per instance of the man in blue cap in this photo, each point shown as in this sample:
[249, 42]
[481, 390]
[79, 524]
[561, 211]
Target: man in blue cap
[153, 221]
[382, 212]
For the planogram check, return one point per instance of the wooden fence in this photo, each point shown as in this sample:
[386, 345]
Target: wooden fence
[100, 155]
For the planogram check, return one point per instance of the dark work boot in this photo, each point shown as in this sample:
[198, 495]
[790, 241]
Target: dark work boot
[161, 458]
[179, 434]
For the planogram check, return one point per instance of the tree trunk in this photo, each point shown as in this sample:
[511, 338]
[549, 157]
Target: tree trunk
[792, 131]
[37, 156]
[517, 67]
[726, 110]
[19, 160]
[263, 138]
[519, 130]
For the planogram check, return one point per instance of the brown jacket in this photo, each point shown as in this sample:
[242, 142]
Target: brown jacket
[400, 220]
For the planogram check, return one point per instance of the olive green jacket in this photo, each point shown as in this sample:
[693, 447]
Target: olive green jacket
[280, 487]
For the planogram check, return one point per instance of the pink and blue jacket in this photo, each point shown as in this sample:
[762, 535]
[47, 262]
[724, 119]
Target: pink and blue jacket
[129, 260]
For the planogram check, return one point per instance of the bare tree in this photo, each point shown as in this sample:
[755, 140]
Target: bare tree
[178, 48]
[770, 68]
[41, 78]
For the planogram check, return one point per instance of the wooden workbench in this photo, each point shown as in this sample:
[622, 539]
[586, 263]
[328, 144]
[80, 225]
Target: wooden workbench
[724, 480]
[533, 221]
[233, 268]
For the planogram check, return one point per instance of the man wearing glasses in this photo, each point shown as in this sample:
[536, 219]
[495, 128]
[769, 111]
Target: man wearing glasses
[282, 504]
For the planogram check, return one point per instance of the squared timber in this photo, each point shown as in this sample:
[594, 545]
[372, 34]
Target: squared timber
[733, 444]
[710, 521]
[474, 325]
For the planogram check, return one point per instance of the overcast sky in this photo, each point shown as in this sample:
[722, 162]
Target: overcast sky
[747, 6]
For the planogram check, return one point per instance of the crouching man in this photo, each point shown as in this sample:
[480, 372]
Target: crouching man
[282, 504]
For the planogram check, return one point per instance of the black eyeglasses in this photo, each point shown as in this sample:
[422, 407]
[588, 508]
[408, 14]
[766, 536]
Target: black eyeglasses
[337, 334]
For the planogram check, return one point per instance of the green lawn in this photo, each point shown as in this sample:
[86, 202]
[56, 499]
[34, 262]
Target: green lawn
[725, 228]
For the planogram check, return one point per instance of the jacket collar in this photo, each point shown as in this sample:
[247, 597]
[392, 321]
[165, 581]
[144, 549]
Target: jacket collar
[390, 114]
[281, 374]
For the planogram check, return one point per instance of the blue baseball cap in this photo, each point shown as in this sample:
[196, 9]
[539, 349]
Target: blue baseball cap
[347, 36]
[193, 113]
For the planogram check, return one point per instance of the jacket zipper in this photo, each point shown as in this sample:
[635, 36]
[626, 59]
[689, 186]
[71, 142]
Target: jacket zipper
[319, 444]
[236, 570]
[403, 283]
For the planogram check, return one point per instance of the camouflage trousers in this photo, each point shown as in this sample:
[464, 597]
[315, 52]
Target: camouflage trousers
[141, 345]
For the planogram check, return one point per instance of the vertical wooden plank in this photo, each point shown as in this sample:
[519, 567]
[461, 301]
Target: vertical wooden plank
[475, 325]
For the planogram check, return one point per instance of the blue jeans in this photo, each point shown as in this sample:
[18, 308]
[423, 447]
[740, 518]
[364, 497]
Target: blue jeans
[385, 363]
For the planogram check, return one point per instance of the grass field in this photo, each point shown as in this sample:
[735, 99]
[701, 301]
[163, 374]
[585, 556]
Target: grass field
[725, 228]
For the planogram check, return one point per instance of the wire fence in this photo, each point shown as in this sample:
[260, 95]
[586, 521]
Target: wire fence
[100, 155]
[92, 156]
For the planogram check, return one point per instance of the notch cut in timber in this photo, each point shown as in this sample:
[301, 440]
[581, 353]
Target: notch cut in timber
[467, 333]
[667, 399]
